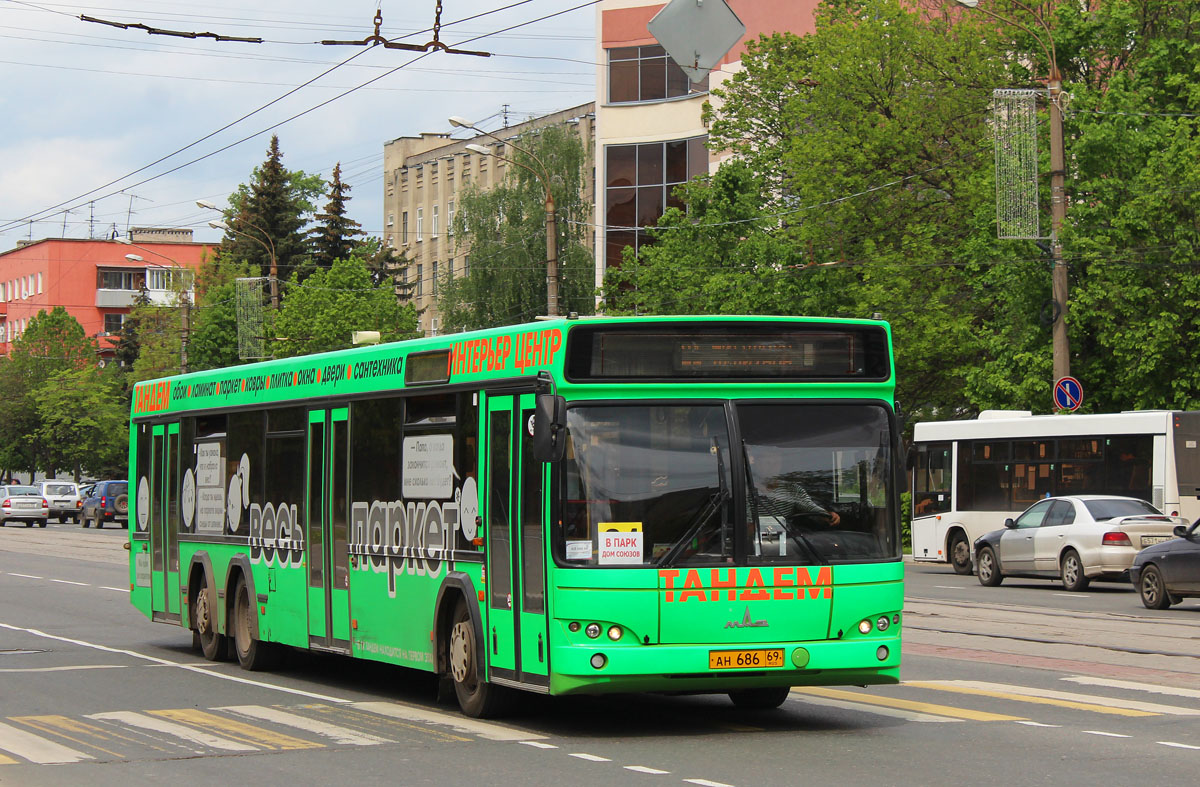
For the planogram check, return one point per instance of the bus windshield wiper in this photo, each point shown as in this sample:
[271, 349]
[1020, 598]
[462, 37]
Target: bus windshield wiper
[715, 501]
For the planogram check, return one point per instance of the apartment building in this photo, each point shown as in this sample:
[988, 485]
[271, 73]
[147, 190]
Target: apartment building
[96, 281]
[649, 133]
[422, 178]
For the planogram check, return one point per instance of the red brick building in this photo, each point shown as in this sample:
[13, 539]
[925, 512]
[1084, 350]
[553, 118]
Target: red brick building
[95, 280]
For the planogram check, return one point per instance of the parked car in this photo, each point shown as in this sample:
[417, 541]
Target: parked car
[20, 503]
[1166, 573]
[108, 501]
[63, 497]
[1077, 539]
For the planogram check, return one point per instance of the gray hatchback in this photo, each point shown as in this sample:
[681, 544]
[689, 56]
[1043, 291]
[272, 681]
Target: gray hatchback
[64, 500]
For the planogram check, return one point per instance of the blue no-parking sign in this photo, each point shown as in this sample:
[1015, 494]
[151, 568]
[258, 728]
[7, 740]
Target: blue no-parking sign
[1068, 394]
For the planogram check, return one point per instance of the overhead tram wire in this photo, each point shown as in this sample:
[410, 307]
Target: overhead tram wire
[39, 215]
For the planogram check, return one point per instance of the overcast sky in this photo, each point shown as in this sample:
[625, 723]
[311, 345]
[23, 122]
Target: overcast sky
[84, 104]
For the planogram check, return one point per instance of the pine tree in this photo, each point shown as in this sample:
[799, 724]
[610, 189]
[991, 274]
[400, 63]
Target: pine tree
[334, 236]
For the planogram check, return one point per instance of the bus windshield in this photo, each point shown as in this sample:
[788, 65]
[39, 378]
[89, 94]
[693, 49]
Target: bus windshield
[653, 485]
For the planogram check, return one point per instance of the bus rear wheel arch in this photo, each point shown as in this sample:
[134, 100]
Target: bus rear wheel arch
[958, 551]
[204, 617]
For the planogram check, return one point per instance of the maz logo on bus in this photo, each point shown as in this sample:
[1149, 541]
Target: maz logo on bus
[751, 589]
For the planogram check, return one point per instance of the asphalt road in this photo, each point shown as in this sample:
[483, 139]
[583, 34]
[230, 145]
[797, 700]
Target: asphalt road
[1018, 684]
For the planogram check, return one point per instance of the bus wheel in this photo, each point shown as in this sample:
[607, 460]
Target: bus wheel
[478, 699]
[252, 654]
[960, 554]
[212, 643]
[760, 699]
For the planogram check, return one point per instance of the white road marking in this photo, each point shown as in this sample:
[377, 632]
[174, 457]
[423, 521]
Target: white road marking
[590, 757]
[26, 576]
[1174, 745]
[949, 587]
[538, 744]
[1037, 724]
[707, 783]
[118, 590]
[180, 731]
[895, 713]
[1092, 699]
[36, 748]
[201, 670]
[62, 669]
[1106, 734]
[482, 729]
[1072, 595]
[334, 732]
[69, 582]
[1150, 688]
[644, 769]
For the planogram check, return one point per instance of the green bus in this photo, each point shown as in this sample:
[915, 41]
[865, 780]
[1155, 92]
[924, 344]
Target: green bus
[572, 506]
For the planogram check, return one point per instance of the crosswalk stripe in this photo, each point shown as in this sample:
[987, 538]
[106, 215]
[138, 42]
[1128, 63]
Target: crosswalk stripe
[893, 702]
[482, 729]
[1062, 699]
[335, 732]
[68, 728]
[199, 737]
[37, 749]
[858, 707]
[238, 730]
[1151, 688]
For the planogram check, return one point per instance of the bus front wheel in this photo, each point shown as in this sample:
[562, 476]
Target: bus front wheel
[960, 553]
[477, 698]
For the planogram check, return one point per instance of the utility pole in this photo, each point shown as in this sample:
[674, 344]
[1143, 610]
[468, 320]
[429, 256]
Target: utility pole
[184, 317]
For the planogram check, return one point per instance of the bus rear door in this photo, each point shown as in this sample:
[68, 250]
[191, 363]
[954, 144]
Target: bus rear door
[516, 568]
[164, 526]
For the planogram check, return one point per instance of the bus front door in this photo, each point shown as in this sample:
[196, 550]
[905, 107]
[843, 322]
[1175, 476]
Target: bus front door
[326, 523]
[516, 569]
[163, 478]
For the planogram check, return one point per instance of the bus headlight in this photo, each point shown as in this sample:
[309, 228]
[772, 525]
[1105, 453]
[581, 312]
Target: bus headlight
[592, 630]
[614, 633]
[864, 627]
[883, 623]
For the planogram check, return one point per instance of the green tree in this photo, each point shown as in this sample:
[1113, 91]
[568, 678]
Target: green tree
[213, 341]
[129, 340]
[334, 236]
[504, 229]
[269, 213]
[83, 422]
[321, 313]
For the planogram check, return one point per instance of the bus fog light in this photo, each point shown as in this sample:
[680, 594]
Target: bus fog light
[592, 630]
[883, 623]
[614, 633]
[599, 660]
[800, 657]
[573, 626]
[882, 653]
[864, 627]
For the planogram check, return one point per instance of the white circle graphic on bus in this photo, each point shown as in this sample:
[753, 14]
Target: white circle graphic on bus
[143, 503]
[233, 503]
[187, 498]
[244, 472]
[468, 507]
[529, 424]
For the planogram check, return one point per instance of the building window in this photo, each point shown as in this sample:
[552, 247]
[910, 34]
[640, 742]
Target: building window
[404, 227]
[450, 217]
[391, 242]
[640, 181]
[391, 219]
[121, 279]
[39, 282]
[434, 228]
[647, 73]
[420, 224]
[449, 269]
[157, 279]
[420, 269]
[434, 269]
[113, 323]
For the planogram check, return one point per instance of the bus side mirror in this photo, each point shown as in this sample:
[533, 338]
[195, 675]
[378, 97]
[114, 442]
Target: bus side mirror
[550, 428]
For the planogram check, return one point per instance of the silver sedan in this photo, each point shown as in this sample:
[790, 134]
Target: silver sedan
[1076, 539]
[23, 504]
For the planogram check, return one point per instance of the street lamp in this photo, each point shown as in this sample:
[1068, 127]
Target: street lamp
[1058, 199]
[185, 298]
[543, 176]
[267, 244]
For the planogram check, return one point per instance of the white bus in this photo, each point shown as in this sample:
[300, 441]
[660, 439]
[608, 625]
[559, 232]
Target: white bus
[969, 476]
